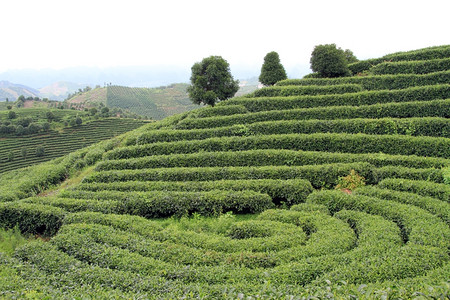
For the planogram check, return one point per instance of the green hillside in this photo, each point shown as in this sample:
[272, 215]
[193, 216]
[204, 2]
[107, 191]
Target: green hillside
[310, 189]
[154, 103]
[53, 130]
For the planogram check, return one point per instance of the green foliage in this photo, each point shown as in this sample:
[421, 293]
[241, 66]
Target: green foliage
[31, 218]
[10, 240]
[285, 192]
[319, 175]
[414, 67]
[437, 52]
[333, 142]
[160, 204]
[424, 188]
[433, 108]
[424, 93]
[40, 151]
[329, 61]
[272, 70]
[211, 81]
[12, 114]
[377, 82]
[286, 91]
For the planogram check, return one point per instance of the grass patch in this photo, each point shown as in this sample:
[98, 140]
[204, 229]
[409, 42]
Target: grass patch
[10, 240]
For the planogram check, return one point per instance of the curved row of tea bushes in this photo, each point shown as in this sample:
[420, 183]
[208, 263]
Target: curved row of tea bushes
[326, 235]
[31, 218]
[428, 126]
[435, 206]
[434, 108]
[376, 239]
[421, 93]
[414, 67]
[218, 111]
[285, 91]
[379, 82]
[418, 226]
[159, 204]
[424, 188]
[289, 192]
[333, 142]
[266, 157]
[318, 175]
[422, 54]
[61, 266]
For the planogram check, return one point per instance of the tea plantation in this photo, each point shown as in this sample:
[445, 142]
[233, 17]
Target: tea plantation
[238, 201]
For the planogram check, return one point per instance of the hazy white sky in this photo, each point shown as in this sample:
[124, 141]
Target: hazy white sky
[66, 33]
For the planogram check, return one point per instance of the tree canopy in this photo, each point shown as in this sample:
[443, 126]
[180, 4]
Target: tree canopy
[330, 61]
[211, 81]
[272, 70]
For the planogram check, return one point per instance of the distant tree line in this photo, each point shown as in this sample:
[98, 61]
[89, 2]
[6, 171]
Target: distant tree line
[211, 79]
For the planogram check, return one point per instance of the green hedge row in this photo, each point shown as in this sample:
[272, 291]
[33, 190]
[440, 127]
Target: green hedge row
[330, 142]
[378, 240]
[160, 204]
[31, 218]
[318, 175]
[434, 108]
[289, 192]
[65, 269]
[418, 226]
[422, 93]
[218, 111]
[415, 67]
[438, 127]
[424, 188]
[285, 91]
[421, 54]
[431, 174]
[267, 157]
[437, 207]
[379, 82]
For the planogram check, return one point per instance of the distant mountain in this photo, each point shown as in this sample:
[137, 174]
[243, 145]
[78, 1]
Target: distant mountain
[134, 76]
[60, 90]
[12, 91]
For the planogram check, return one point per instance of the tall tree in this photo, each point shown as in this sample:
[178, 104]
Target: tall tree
[272, 70]
[211, 81]
[329, 61]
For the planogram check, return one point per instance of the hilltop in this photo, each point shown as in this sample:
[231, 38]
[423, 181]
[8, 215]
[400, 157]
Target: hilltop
[12, 91]
[316, 187]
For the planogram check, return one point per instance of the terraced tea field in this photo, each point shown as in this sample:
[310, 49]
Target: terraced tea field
[57, 144]
[238, 201]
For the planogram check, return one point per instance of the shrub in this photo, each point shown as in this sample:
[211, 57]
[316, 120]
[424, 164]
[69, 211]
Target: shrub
[351, 181]
[40, 151]
[31, 218]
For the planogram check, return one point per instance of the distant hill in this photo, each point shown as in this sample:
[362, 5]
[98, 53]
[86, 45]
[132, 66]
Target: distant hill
[57, 136]
[12, 91]
[155, 103]
[60, 90]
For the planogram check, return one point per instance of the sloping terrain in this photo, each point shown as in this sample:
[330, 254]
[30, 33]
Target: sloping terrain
[12, 91]
[18, 148]
[257, 176]
[154, 103]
